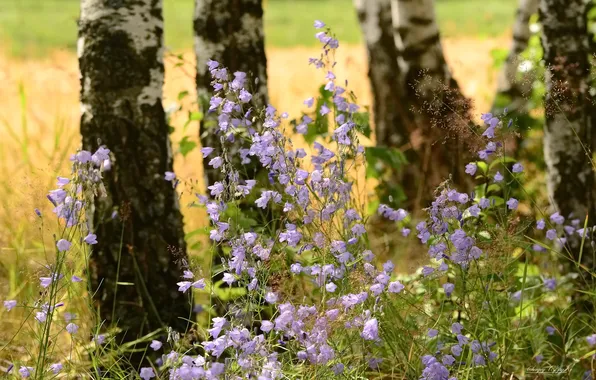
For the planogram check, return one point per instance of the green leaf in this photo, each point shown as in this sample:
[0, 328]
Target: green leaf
[390, 156]
[373, 206]
[493, 188]
[371, 170]
[588, 355]
[479, 191]
[503, 161]
[395, 194]
[319, 127]
[198, 231]
[362, 120]
[499, 57]
[240, 218]
[482, 166]
[498, 201]
[502, 100]
[245, 222]
[484, 235]
[195, 115]
[592, 14]
[532, 270]
[192, 116]
[196, 246]
[228, 294]
[325, 95]
[186, 146]
[182, 95]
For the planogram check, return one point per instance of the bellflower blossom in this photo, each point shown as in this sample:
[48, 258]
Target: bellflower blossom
[10, 304]
[147, 373]
[170, 176]
[471, 168]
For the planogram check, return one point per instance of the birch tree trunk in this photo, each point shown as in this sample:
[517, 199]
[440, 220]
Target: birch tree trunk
[569, 123]
[120, 49]
[390, 114]
[231, 33]
[513, 88]
[393, 120]
[441, 112]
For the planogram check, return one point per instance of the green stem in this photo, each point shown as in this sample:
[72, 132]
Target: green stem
[117, 275]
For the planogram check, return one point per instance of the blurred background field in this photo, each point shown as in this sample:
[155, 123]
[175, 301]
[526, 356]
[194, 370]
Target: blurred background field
[35, 28]
[39, 83]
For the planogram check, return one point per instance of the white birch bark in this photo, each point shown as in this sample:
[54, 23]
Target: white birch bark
[569, 123]
[120, 50]
[441, 112]
[231, 33]
[514, 86]
[391, 115]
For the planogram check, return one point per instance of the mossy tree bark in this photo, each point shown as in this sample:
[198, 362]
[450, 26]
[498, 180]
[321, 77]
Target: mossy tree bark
[120, 51]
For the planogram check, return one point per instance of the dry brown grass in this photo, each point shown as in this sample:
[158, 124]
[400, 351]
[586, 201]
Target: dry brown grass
[51, 86]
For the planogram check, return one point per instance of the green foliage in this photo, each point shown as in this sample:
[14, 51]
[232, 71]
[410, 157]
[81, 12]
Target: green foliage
[187, 143]
[240, 218]
[362, 120]
[182, 95]
[499, 57]
[381, 156]
[186, 146]
[227, 294]
[192, 116]
[385, 164]
[320, 127]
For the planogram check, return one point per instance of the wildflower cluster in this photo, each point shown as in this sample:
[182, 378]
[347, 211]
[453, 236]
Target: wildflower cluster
[462, 233]
[320, 235]
[71, 200]
[312, 300]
